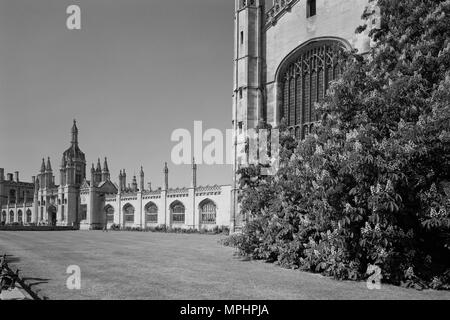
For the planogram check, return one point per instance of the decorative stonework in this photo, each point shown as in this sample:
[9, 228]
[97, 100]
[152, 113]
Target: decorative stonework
[278, 9]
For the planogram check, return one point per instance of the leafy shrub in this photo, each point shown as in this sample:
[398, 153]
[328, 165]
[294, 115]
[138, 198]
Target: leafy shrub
[115, 227]
[370, 185]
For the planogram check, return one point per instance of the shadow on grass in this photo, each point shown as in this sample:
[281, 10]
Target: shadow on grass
[35, 281]
[33, 292]
[24, 281]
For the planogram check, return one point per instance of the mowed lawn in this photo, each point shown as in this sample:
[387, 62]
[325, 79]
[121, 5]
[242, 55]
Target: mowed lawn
[132, 265]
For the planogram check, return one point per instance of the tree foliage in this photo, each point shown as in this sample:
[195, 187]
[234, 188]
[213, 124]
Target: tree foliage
[371, 185]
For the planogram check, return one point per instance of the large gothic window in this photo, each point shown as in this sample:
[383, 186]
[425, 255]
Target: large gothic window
[109, 211]
[305, 77]
[151, 213]
[177, 211]
[207, 212]
[128, 210]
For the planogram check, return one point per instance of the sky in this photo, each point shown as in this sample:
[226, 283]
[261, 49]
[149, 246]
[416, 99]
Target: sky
[136, 71]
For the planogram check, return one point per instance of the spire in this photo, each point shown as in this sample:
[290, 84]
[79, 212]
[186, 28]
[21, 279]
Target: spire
[93, 175]
[99, 167]
[141, 179]
[43, 166]
[166, 177]
[105, 173]
[49, 166]
[120, 181]
[74, 133]
[194, 173]
[105, 165]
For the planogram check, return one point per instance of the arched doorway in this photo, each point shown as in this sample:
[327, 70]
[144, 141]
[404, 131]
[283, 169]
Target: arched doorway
[19, 216]
[3, 217]
[51, 215]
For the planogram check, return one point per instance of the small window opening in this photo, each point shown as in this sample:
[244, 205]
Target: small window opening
[311, 8]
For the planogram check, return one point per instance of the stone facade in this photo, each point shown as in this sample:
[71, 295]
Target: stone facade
[194, 207]
[99, 202]
[284, 61]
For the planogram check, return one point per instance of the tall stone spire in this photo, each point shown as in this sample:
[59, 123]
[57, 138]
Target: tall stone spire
[194, 174]
[134, 184]
[99, 167]
[141, 181]
[124, 179]
[105, 165]
[74, 133]
[166, 177]
[49, 174]
[105, 172]
[120, 181]
[36, 185]
[93, 175]
[43, 166]
[49, 166]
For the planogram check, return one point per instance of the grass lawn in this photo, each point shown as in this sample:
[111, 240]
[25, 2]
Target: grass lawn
[133, 265]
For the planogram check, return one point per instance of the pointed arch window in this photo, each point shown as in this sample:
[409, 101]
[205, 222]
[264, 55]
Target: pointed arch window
[29, 216]
[305, 78]
[177, 211]
[208, 212]
[151, 213]
[129, 213]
